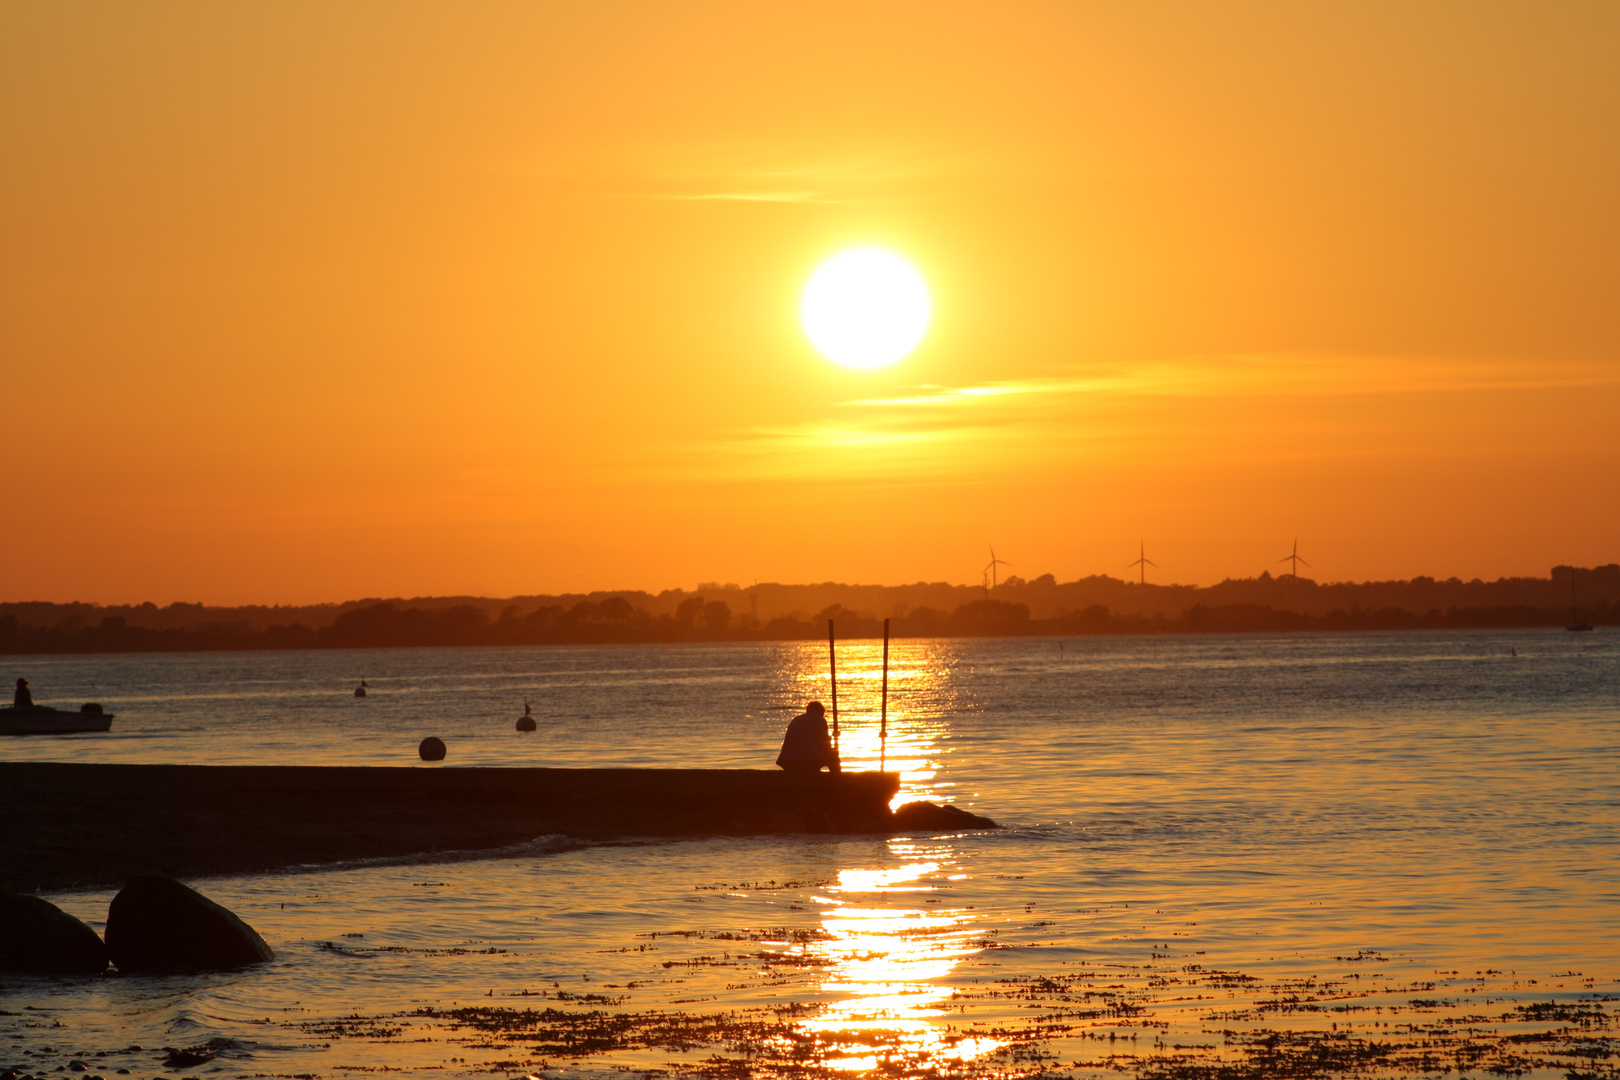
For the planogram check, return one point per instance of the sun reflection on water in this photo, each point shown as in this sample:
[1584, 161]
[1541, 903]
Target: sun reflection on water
[921, 694]
[888, 968]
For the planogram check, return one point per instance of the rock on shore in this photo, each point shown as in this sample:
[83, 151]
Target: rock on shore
[157, 924]
[931, 817]
[38, 936]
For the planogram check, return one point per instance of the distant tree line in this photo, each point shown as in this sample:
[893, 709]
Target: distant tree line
[616, 619]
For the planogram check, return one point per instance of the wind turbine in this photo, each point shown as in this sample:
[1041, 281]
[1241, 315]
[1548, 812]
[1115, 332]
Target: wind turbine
[991, 566]
[1295, 558]
[1143, 562]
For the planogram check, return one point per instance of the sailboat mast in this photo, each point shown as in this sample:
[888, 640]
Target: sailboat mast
[832, 663]
[883, 728]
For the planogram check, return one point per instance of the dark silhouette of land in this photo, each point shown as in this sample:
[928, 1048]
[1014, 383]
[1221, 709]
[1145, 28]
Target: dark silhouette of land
[773, 612]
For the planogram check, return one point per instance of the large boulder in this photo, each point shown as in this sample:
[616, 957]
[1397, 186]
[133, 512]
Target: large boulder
[157, 924]
[931, 817]
[36, 935]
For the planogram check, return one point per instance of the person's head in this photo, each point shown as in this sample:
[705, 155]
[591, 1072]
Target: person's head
[815, 709]
[21, 683]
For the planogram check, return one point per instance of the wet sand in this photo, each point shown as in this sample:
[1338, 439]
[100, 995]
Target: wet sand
[71, 826]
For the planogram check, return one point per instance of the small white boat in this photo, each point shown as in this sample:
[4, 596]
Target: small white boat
[44, 720]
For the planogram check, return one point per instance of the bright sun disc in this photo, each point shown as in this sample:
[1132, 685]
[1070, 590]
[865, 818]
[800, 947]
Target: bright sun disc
[865, 308]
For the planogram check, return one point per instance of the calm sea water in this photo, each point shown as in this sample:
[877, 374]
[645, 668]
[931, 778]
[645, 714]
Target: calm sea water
[1225, 856]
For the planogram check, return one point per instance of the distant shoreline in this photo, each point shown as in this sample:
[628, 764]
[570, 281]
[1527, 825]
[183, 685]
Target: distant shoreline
[1042, 607]
[38, 641]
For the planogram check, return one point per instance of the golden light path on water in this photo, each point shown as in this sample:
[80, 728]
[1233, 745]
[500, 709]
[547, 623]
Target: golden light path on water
[893, 964]
[888, 963]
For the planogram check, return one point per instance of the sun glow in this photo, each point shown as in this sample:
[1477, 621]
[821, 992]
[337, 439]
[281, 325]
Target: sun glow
[865, 308]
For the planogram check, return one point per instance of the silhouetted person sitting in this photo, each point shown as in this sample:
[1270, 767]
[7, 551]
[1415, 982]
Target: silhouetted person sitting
[23, 699]
[807, 746]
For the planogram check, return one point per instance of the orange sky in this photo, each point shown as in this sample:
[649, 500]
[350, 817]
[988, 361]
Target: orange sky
[307, 301]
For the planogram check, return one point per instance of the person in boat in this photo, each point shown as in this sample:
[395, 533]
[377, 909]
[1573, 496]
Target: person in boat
[807, 746]
[23, 699]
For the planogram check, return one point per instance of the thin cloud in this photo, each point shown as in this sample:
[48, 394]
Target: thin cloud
[973, 433]
[737, 173]
[753, 196]
[1270, 376]
[751, 173]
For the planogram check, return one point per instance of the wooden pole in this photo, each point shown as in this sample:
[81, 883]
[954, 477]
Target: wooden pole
[883, 728]
[832, 663]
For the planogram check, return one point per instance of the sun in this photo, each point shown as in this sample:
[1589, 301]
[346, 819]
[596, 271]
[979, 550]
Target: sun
[865, 308]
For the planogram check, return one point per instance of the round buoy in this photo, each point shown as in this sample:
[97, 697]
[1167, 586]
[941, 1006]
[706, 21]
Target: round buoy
[525, 723]
[432, 748]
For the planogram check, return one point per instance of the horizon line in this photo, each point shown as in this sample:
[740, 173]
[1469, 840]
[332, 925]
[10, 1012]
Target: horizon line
[711, 586]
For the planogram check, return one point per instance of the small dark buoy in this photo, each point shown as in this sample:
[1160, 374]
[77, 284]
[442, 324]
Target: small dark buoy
[526, 721]
[360, 691]
[432, 748]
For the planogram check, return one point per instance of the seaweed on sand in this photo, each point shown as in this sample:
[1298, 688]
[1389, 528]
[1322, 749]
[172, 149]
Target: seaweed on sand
[570, 1033]
[745, 1043]
[1076, 1018]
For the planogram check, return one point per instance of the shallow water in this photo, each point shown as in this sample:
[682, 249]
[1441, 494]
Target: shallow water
[1316, 855]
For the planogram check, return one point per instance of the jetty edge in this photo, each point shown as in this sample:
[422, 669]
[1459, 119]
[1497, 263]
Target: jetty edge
[72, 825]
